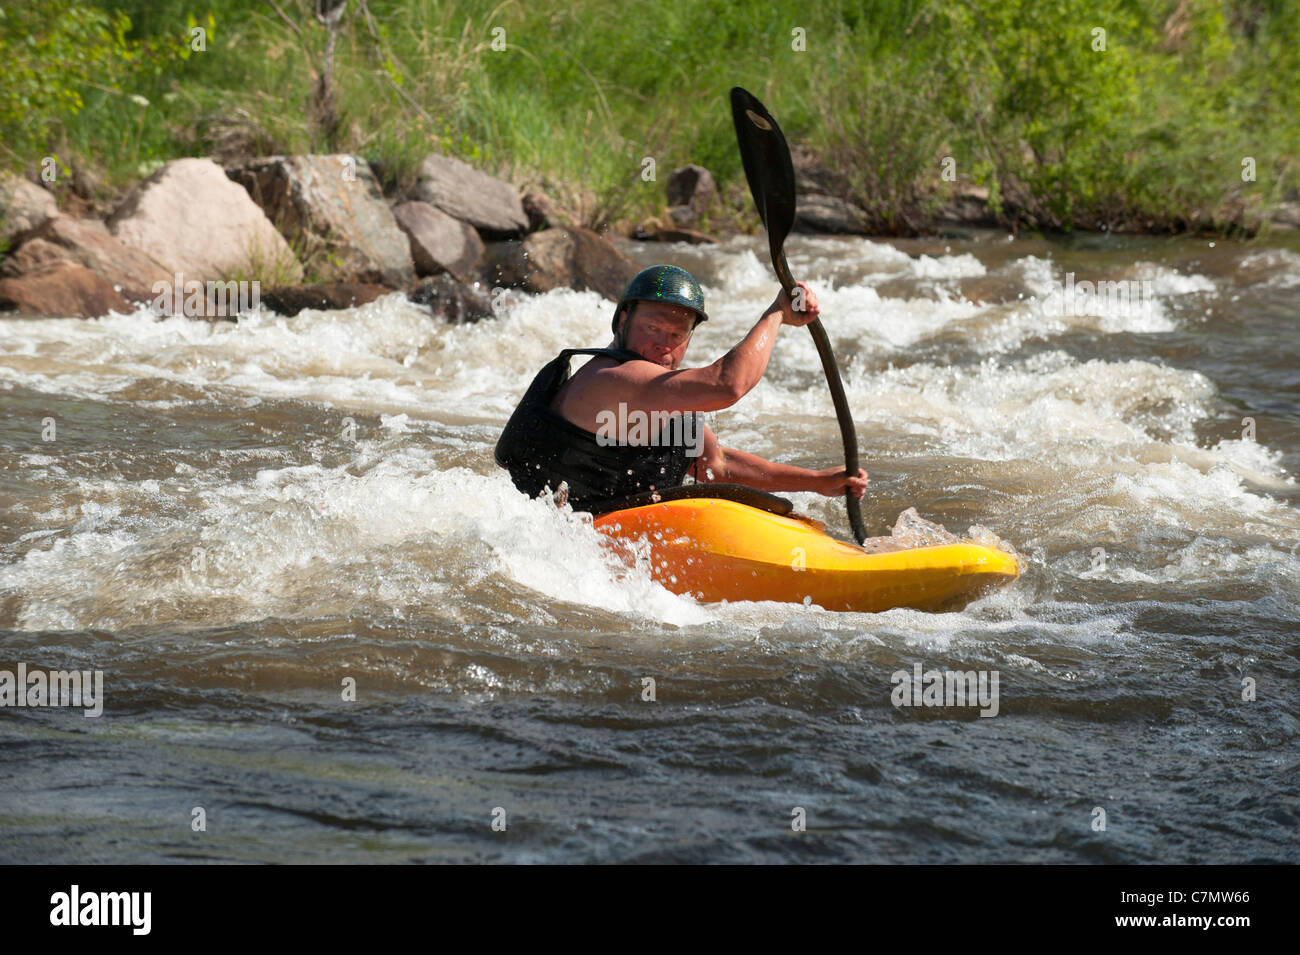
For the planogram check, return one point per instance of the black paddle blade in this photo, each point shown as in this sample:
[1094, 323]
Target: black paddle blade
[769, 171]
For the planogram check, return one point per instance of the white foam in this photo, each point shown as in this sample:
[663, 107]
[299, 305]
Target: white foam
[1205, 560]
[1170, 282]
[1104, 447]
[1282, 266]
[739, 273]
[295, 539]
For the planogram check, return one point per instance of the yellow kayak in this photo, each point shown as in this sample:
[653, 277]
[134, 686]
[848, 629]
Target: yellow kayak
[716, 549]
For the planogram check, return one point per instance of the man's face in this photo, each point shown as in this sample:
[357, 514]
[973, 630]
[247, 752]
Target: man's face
[659, 332]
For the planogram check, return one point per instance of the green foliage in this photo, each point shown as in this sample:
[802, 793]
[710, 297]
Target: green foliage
[50, 55]
[880, 135]
[1142, 127]
[1148, 133]
[1054, 89]
[56, 55]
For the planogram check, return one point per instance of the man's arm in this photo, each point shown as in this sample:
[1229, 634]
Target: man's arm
[648, 387]
[719, 465]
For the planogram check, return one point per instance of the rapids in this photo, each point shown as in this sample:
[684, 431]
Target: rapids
[232, 520]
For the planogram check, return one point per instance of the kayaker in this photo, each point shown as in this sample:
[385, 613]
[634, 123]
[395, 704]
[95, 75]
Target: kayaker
[628, 421]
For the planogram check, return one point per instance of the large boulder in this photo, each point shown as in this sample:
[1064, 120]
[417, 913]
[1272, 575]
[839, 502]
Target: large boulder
[828, 214]
[465, 193]
[190, 217]
[333, 206]
[439, 243]
[61, 290]
[88, 243]
[23, 206]
[559, 258]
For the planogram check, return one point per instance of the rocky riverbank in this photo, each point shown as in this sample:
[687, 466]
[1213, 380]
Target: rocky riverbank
[316, 231]
[295, 232]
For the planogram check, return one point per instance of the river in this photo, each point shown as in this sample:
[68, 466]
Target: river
[330, 630]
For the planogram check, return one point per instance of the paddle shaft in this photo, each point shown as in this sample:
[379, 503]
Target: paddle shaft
[847, 431]
[770, 174]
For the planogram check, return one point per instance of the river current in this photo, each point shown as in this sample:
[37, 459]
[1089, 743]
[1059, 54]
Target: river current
[330, 630]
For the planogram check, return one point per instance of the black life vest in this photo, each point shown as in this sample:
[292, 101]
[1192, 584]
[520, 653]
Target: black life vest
[541, 448]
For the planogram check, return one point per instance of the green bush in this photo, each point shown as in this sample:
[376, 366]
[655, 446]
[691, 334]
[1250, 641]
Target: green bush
[1149, 133]
[60, 55]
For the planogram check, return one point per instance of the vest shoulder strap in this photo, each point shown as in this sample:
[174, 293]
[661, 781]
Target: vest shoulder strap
[618, 354]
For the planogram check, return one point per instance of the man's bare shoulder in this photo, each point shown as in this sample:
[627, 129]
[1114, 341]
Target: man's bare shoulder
[634, 369]
[599, 381]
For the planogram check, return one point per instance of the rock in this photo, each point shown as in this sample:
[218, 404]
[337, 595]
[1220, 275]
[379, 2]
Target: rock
[1285, 215]
[31, 255]
[811, 173]
[472, 196]
[439, 243]
[233, 138]
[87, 181]
[654, 230]
[827, 214]
[692, 236]
[24, 206]
[190, 217]
[691, 191]
[87, 242]
[61, 290]
[542, 213]
[683, 217]
[332, 204]
[292, 299]
[970, 206]
[453, 301]
[559, 258]
[599, 266]
[969, 212]
[692, 186]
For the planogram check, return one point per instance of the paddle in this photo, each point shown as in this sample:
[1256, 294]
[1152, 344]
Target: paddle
[770, 172]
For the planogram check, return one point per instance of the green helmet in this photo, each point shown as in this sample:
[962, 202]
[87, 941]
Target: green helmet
[663, 283]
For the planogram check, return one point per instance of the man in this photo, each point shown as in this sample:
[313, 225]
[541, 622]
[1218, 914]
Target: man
[589, 432]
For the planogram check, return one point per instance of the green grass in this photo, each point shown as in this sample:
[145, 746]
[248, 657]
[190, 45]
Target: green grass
[1148, 134]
